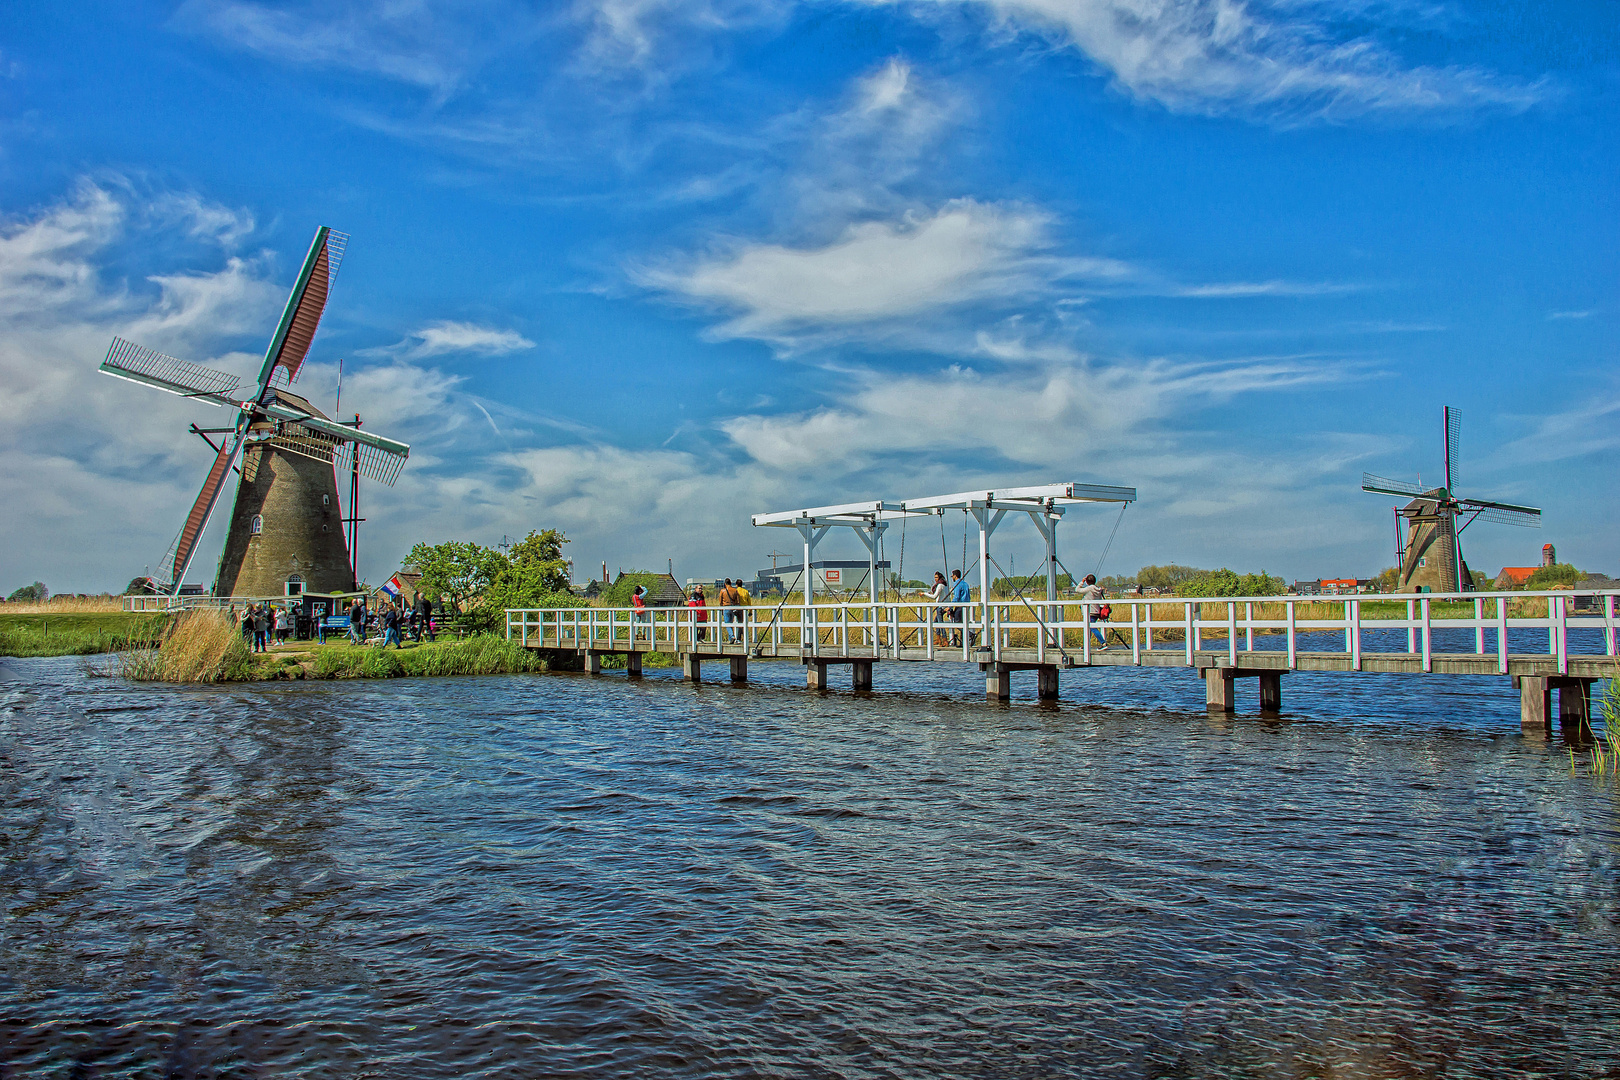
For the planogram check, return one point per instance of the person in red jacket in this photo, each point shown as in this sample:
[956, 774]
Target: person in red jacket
[702, 617]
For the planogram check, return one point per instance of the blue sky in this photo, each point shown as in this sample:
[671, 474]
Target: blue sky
[639, 268]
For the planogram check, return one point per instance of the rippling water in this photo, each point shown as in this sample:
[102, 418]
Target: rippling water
[574, 876]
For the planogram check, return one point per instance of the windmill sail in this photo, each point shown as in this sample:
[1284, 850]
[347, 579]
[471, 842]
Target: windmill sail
[304, 308]
[1382, 485]
[1504, 513]
[379, 458]
[1453, 447]
[186, 546]
[127, 360]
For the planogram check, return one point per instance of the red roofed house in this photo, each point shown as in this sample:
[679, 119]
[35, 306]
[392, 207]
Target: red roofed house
[1514, 577]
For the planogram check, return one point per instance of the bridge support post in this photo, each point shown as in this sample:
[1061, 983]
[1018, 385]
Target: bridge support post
[593, 663]
[632, 664]
[815, 675]
[997, 682]
[1046, 682]
[1575, 709]
[861, 675]
[691, 668]
[1271, 691]
[739, 669]
[1218, 691]
[1535, 706]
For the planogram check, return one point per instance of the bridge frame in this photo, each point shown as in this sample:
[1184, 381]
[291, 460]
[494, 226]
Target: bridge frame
[1214, 636]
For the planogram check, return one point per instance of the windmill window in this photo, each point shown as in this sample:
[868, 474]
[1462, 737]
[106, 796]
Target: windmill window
[1423, 561]
[326, 500]
[295, 585]
[258, 524]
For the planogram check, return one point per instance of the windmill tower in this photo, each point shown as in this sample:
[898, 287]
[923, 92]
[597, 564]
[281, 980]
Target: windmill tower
[286, 528]
[1430, 553]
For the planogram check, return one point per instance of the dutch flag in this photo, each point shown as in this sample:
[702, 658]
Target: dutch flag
[391, 587]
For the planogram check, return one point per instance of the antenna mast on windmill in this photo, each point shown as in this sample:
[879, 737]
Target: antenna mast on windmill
[285, 534]
[1431, 558]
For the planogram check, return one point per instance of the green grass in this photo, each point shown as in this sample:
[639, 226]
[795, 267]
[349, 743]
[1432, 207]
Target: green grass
[77, 633]
[483, 654]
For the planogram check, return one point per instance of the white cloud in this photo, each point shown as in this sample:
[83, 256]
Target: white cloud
[1570, 314]
[406, 42]
[1284, 58]
[444, 338]
[1039, 414]
[965, 252]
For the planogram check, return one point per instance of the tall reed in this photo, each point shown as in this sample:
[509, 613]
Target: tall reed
[200, 646]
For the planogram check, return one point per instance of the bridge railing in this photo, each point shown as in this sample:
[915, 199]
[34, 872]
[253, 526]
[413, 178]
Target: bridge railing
[1549, 625]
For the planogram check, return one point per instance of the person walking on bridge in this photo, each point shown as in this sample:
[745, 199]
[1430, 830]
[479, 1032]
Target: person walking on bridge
[962, 595]
[701, 618]
[727, 600]
[743, 601]
[1089, 594]
[937, 595]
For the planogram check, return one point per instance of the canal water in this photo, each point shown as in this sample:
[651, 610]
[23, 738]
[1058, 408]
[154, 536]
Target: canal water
[538, 876]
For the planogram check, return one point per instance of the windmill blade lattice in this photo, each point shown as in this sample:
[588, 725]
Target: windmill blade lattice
[1453, 448]
[1383, 485]
[127, 360]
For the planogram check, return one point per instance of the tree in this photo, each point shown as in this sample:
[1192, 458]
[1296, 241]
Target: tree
[37, 591]
[1552, 577]
[1166, 577]
[138, 586]
[1224, 582]
[456, 569]
[535, 576]
[1388, 580]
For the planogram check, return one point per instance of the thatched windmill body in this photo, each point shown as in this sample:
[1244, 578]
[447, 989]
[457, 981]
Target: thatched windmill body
[286, 531]
[1429, 547]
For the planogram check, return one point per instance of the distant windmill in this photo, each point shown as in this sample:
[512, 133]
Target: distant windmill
[286, 534]
[1431, 553]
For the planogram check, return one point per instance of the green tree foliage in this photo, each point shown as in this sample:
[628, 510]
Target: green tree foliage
[138, 586]
[535, 576]
[1552, 577]
[37, 591]
[1224, 582]
[457, 570]
[1168, 576]
[1387, 580]
[1030, 586]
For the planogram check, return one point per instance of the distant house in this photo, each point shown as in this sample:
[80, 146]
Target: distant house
[664, 591]
[1514, 577]
[1307, 588]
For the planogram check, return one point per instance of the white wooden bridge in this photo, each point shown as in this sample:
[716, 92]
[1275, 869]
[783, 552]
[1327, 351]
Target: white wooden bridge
[1547, 642]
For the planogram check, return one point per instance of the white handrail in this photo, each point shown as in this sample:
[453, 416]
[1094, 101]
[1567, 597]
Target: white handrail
[1434, 624]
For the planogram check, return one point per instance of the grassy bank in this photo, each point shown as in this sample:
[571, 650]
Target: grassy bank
[206, 646]
[68, 632]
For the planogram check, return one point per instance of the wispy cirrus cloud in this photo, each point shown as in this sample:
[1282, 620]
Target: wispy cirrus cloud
[448, 338]
[1289, 60]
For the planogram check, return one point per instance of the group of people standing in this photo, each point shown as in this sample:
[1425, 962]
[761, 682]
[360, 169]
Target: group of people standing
[263, 624]
[731, 599]
[957, 593]
[396, 621]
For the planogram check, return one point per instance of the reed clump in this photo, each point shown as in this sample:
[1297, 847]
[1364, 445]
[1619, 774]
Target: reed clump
[481, 654]
[200, 646]
[1605, 760]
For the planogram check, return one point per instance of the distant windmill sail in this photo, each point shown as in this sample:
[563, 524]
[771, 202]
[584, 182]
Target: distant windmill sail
[305, 306]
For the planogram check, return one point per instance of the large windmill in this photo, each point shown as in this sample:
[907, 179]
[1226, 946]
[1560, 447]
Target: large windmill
[286, 528]
[1430, 553]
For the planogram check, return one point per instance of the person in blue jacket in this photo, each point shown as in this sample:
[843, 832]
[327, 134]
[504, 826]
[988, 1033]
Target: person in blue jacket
[962, 596]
